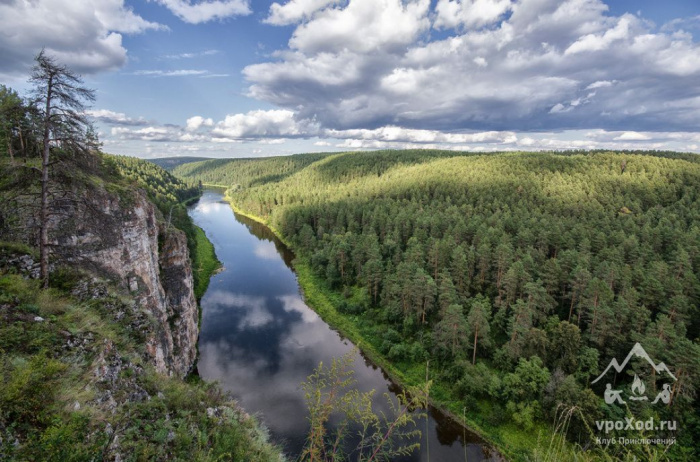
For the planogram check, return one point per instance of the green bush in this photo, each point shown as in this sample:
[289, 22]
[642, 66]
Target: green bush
[28, 389]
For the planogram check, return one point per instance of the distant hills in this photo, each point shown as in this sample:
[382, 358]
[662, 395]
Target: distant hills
[169, 163]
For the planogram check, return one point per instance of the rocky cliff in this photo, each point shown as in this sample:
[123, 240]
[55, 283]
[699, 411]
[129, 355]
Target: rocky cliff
[119, 236]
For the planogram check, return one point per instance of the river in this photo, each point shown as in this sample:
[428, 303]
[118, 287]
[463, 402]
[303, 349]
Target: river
[260, 341]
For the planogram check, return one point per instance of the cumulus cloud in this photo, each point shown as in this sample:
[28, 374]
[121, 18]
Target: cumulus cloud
[165, 133]
[393, 133]
[362, 26]
[598, 42]
[632, 136]
[196, 122]
[276, 127]
[258, 124]
[86, 35]
[295, 11]
[529, 65]
[469, 13]
[115, 118]
[194, 12]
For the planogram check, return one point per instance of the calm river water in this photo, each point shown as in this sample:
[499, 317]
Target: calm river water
[260, 340]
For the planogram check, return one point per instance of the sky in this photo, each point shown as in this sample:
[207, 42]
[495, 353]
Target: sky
[248, 78]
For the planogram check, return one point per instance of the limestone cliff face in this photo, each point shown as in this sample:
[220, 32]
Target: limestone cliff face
[120, 237]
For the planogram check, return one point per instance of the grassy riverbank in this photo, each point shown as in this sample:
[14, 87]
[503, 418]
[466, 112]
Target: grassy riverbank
[204, 262]
[511, 441]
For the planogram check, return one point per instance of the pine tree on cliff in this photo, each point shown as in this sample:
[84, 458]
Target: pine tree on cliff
[60, 97]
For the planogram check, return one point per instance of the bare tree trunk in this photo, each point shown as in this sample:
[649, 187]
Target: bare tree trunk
[9, 149]
[21, 142]
[44, 213]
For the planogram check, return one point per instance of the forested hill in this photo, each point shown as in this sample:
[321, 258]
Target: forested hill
[520, 275]
[169, 163]
[246, 172]
[162, 187]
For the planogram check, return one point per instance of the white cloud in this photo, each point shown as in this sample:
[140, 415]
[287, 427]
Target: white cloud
[171, 73]
[115, 118]
[255, 124]
[600, 84]
[363, 25]
[469, 13]
[393, 133]
[593, 42]
[85, 35]
[167, 133]
[194, 12]
[295, 11]
[682, 24]
[480, 61]
[193, 55]
[116, 16]
[632, 136]
[538, 64]
[557, 108]
[194, 123]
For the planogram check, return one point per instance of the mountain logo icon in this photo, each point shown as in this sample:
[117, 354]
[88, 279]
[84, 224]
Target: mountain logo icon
[639, 352]
[612, 395]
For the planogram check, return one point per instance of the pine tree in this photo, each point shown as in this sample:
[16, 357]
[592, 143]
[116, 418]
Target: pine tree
[478, 321]
[60, 99]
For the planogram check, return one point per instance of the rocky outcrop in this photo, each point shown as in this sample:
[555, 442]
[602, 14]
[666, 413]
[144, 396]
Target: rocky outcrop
[119, 237]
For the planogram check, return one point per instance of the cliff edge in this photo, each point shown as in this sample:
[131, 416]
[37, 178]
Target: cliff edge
[122, 238]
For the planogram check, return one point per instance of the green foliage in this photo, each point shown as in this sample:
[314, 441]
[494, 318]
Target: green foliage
[330, 393]
[204, 262]
[245, 172]
[28, 389]
[164, 189]
[169, 163]
[576, 258]
[52, 404]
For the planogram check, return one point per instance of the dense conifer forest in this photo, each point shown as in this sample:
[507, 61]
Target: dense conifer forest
[169, 163]
[517, 275]
[162, 187]
[247, 172]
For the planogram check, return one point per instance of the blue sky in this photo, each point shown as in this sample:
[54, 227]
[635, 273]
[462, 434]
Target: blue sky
[240, 78]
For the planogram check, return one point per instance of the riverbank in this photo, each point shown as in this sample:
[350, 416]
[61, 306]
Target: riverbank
[510, 441]
[204, 262]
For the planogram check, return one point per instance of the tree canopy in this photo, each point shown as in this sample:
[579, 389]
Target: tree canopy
[538, 266]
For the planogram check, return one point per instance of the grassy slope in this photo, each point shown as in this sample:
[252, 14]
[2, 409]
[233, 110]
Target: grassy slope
[204, 262]
[52, 403]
